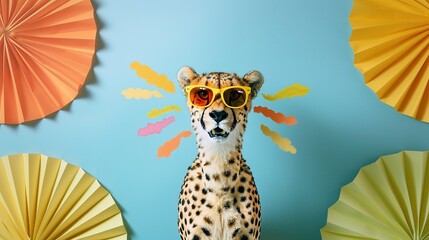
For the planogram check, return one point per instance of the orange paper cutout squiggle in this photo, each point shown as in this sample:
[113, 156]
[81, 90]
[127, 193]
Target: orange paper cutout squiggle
[276, 116]
[171, 145]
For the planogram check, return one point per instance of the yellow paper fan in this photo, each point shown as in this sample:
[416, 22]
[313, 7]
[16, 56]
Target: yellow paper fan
[390, 40]
[388, 200]
[45, 198]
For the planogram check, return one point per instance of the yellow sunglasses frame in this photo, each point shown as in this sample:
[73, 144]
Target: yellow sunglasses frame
[216, 91]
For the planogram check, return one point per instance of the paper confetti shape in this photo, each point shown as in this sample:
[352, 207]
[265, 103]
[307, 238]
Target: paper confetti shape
[158, 112]
[284, 143]
[171, 145]
[387, 200]
[47, 49]
[138, 93]
[46, 198]
[155, 128]
[152, 77]
[276, 117]
[296, 90]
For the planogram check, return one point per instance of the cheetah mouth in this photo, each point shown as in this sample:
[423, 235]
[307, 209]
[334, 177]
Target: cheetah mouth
[218, 133]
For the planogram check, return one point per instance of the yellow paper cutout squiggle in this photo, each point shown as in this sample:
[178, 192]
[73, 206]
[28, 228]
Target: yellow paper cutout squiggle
[138, 93]
[284, 143]
[296, 90]
[158, 112]
[152, 77]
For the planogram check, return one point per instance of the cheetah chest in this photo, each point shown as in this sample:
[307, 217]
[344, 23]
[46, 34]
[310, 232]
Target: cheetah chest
[219, 205]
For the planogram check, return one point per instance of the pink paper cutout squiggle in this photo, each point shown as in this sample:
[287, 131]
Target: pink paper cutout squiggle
[155, 128]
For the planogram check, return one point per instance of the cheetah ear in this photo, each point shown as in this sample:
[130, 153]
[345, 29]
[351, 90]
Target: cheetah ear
[255, 81]
[185, 76]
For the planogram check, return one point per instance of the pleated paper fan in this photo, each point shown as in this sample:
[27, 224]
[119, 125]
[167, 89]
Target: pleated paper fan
[43, 198]
[390, 40]
[388, 200]
[46, 51]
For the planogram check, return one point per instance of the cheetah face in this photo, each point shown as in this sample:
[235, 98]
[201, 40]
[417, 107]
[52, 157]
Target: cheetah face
[221, 119]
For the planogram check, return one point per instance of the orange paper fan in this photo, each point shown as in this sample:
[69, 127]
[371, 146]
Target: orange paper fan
[390, 40]
[46, 50]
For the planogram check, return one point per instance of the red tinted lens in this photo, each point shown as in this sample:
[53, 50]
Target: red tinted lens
[201, 96]
[235, 97]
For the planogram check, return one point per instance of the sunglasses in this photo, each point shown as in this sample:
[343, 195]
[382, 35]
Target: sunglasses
[203, 96]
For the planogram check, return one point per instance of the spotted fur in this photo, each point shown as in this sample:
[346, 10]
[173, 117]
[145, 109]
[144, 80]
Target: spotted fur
[219, 199]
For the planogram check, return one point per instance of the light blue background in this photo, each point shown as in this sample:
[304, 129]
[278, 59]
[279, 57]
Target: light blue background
[342, 124]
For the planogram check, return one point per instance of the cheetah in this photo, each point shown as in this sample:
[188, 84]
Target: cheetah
[219, 199]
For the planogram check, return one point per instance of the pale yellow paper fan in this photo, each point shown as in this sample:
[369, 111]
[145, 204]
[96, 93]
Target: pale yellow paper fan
[44, 198]
[390, 40]
[388, 200]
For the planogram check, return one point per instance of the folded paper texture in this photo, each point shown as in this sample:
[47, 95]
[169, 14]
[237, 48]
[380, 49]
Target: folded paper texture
[47, 50]
[388, 199]
[389, 39]
[47, 198]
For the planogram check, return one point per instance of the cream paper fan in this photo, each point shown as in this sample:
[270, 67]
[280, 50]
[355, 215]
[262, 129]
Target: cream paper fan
[388, 200]
[390, 40]
[43, 198]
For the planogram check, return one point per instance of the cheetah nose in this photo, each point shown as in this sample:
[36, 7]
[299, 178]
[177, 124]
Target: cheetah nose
[218, 116]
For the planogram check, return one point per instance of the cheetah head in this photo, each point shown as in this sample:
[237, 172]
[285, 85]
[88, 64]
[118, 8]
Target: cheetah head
[219, 120]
